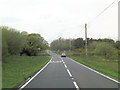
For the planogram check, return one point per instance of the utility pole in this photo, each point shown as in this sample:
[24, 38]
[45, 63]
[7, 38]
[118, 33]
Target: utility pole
[86, 38]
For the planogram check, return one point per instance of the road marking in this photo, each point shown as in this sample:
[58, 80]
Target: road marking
[35, 74]
[51, 61]
[56, 62]
[65, 65]
[63, 62]
[76, 85]
[96, 71]
[69, 73]
[72, 78]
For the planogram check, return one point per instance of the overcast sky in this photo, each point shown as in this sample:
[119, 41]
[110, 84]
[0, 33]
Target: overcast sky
[61, 18]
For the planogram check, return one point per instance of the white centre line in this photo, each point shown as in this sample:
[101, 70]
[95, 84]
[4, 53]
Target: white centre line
[69, 73]
[76, 85]
[65, 65]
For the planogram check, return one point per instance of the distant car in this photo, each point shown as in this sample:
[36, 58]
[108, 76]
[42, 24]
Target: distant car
[63, 55]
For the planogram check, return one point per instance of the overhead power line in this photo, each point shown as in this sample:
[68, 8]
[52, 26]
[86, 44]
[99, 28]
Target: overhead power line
[103, 10]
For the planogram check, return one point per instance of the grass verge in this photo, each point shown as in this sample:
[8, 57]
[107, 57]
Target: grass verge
[109, 68]
[17, 68]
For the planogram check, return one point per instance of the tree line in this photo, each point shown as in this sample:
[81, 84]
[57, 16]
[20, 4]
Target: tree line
[103, 47]
[19, 43]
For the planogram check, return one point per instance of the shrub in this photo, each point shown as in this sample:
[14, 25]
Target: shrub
[106, 50]
[12, 41]
[92, 45]
[16, 43]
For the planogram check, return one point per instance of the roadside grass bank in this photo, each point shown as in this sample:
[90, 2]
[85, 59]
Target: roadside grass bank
[98, 63]
[106, 67]
[18, 68]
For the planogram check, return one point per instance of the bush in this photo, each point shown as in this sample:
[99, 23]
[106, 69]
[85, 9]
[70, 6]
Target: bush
[92, 45]
[106, 50]
[12, 41]
[33, 42]
[16, 43]
[91, 53]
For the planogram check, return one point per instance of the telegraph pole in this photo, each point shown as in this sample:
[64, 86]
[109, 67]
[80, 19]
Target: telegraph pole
[86, 38]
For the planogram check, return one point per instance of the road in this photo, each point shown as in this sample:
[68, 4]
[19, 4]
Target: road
[66, 73]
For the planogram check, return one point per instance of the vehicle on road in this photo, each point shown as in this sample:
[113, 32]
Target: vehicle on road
[63, 55]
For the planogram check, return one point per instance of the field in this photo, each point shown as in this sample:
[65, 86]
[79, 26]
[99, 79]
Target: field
[18, 68]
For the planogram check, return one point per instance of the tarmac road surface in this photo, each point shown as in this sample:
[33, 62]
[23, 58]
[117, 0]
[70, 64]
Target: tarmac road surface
[66, 73]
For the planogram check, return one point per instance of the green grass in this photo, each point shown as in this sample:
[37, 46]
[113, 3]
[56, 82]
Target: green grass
[109, 68]
[16, 68]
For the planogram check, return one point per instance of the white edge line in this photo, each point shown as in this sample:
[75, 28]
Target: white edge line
[76, 85]
[96, 71]
[36, 74]
[69, 73]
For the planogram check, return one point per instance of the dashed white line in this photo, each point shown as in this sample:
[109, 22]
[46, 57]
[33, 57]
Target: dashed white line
[72, 78]
[76, 85]
[69, 73]
[35, 74]
[65, 65]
